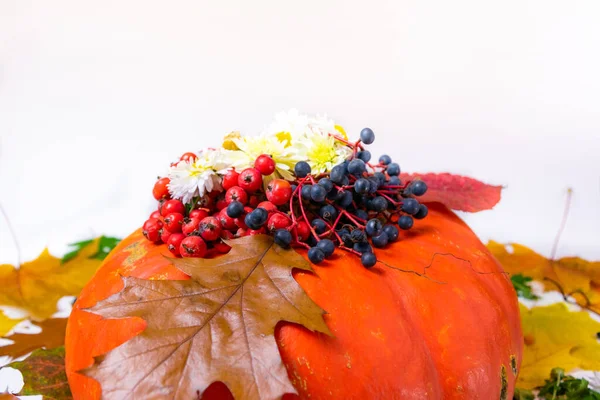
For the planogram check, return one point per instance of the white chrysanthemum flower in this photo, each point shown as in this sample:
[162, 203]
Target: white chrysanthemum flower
[322, 152]
[250, 147]
[197, 178]
[292, 125]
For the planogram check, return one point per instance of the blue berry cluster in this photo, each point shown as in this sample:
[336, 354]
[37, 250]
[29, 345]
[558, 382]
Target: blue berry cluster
[359, 205]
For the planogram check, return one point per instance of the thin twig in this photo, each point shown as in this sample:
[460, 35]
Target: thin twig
[562, 223]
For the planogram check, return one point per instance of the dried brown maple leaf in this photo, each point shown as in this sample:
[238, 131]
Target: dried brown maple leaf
[52, 335]
[217, 326]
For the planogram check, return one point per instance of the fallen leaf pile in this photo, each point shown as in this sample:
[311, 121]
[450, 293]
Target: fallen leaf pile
[35, 288]
[223, 319]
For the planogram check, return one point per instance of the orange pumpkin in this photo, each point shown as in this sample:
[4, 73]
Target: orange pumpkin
[447, 327]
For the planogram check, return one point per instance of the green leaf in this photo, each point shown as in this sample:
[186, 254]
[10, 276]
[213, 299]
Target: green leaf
[105, 245]
[521, 285]
[562, 387]
[523, 394]
[78, 247]
[44, 374]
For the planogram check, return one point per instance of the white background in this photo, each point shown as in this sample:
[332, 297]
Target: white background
[96, 98]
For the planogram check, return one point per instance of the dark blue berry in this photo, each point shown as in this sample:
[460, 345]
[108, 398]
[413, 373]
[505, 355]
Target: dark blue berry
[356, 167]
[418, 188]
[385, 159]
[368, 260]
[283, 237]
[345, 236]
[410, 206]
[362, 186]
[422, 213]
[235, 209]
[319, 225]
[380, 177]
[328, 213]
[302, 169]
[393, 169]
[367, 136]
[405, 222]
[326, 246]
[318, 193]
[345, 181]
[363, 247]
[344, 199]
[337, 174]
[392, 232]
[357, 235]
[364, 155]
[379, 204]
[256, 218]
[326, 184]
[394, 181]
[294, 187]
[373, 184]
[305, 191]
[380, 240]
[316, 255]
[362, 214]
[374, 227]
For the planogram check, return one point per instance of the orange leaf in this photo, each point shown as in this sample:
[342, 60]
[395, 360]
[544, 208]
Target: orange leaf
[52, 335]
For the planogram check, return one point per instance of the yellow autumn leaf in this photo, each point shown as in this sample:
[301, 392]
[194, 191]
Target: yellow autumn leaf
[572, 276]
[6, 324]
[341, 130]
[556, 337]
[39, 284]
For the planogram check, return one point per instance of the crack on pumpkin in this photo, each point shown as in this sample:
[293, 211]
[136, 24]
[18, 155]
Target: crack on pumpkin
[503, 383]
[424, 273]
[513, 364]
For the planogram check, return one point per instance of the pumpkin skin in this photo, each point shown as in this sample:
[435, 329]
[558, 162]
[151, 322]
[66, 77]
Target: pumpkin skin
[455, 334]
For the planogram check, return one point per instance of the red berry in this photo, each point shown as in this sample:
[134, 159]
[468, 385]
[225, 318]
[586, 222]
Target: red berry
[303, 231]
[155, 214]
[173, 222]
[190, 225]
[230, 179]
[260, 231]
[189, 157]
[174, 242]
[221, 203]
[210, 229]
[205, 202]
[239, 222]
[151, 229]
[227, 235]
[222, 247]
[226, 221]
[250, 180]
[279, 191]
[265, 164]
[199, 213]
[172, 206]
[236, 193]
[165, 234]
[161, 189]
[278, 221]
[192, 246]
[267, 205]
[253, 201]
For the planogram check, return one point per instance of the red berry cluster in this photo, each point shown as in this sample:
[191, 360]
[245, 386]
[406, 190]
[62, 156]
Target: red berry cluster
[197, 229]
[354, 207]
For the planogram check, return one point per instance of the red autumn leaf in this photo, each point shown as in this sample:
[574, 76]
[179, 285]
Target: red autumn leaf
[457, 192]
